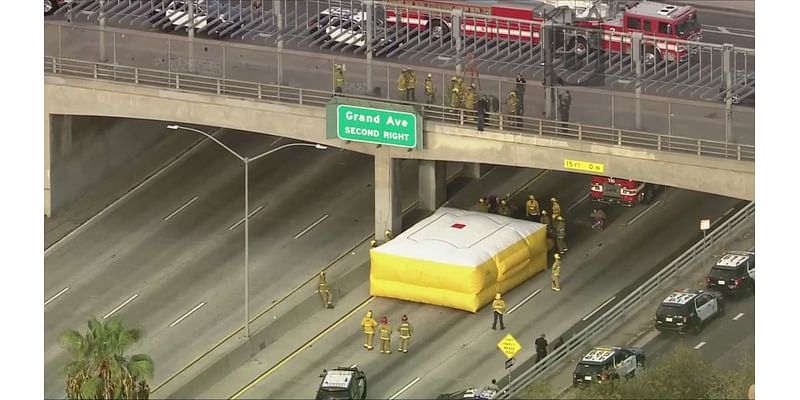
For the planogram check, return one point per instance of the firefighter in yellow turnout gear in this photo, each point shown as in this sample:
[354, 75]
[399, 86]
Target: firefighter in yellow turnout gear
[405, 331]
[498, 309]
[532, 209]
[556, 208]
[338, 78]
[386, 336]
[555, 273]
[368, 324]
[324, 291]
[430, 92]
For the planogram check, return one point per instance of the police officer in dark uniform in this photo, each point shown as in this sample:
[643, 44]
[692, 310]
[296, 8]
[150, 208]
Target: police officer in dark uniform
[482, 108]
[541, 347]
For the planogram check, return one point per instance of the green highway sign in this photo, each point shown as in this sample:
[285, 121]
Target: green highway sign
[378, 126]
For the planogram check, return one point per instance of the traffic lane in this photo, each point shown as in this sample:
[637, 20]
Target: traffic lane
[605, 266]
[165, 260]
[458, 325]
[723, 341]
[315, 73]
[542, 183]
[727, 19]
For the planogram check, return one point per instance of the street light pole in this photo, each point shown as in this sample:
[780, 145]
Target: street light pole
[246, 161]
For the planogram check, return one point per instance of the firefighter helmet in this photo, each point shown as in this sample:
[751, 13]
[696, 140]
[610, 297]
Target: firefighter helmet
[369, 314]
[405, 318]
[553, 199]
[497, 296]
[530, 197]
[544, 212]
[557, 256]
[560, 218]
[429, 75]
[384, 320]
[503, 202]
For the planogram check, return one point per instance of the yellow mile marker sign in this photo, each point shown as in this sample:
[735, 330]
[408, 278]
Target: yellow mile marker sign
[509, 346]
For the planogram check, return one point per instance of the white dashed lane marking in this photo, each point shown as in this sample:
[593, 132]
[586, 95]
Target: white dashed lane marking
[699, 345]
[738, 316]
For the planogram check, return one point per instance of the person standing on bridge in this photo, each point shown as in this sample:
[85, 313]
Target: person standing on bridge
[555, 273]
[512, 108]
[469, 101]
[386, 336]
[324, 291]
[532, 209]
[368, 324]
[520, 86]
[505, 210]
[564, 102]
[405, 331]
[483, 206]
[482, 107]
[498, 309]
[411, 85]
[455, 100]
[402, 84]
[545, 220]
[338, 77]
[430, 91]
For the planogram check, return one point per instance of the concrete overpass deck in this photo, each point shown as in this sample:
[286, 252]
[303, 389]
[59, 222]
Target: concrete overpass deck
[75, 87]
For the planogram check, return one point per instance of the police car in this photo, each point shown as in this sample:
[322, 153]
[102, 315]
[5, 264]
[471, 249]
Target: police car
[604, 363]
[349, 26]
[734, 272]
[50, 6]
[688, 310]
[342, 383]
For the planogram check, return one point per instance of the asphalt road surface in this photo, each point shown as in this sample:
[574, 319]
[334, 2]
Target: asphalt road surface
[726, 341]
[168, 259]
[452, 349]
[311, 72]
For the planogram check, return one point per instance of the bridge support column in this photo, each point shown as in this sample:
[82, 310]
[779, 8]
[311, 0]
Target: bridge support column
[728, 74]
[471, 170]
[456, 16]
[637, 48]
[58, 139]
[387, 195]
[432, 184]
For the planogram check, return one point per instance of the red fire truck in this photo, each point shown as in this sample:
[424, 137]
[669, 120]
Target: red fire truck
[610, 18]
[625, 192]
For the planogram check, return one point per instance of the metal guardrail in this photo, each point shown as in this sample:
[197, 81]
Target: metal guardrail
[277, 22]
[554, 359]
[515, 124]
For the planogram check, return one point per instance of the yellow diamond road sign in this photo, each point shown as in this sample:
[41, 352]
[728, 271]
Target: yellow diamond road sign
[509, 346]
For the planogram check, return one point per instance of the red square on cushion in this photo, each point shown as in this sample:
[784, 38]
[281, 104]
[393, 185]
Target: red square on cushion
[457, 226]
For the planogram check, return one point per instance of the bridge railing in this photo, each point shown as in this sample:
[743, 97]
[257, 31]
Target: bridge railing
[627, 306]
[599, 106]
[516, 124]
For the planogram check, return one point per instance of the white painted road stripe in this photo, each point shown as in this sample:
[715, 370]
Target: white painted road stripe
[643, 213]
[354, 366]
[598, 308]
[487, 173]
[714, 222]
[399, 392]
[178, 321]
[646, 339]
[56, 295]
[699, 345]
[584, 197]
[738, 316]
[310, 227]
[525, 300]
[119, 307]
[180, 208]
[723, 29]
[242, 220]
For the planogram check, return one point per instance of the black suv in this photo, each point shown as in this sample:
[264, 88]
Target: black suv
[604, 363]
[342, 383]
[688, 310]
[734, 273]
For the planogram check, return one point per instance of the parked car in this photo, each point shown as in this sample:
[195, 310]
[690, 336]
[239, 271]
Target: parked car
[604, 363]
[688, 310]
[734, 273]
[342, 383]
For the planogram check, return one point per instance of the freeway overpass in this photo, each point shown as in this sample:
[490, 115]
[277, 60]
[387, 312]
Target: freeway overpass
[700, 165]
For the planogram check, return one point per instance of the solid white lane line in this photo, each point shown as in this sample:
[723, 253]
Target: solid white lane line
[641, 214]
[699, 345]
[119, 307]
[445, 203]
[598, 308]
[487, 173]
[646, 339]
[736, 318]
[242, 220]
[310, 227]
[274, 142]
[525, 300]
[56, 295]
[181, 208]
[399, 392]
[178, 321]
[723, 29]
[579, 201]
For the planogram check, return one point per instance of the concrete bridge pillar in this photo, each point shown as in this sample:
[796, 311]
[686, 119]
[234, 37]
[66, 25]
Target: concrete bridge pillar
[387, 195]
[57, 142]
[432, 184]
[472, 170]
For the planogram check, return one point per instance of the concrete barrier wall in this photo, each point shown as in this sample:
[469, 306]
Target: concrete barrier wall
[86, 150]
[443, 141]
